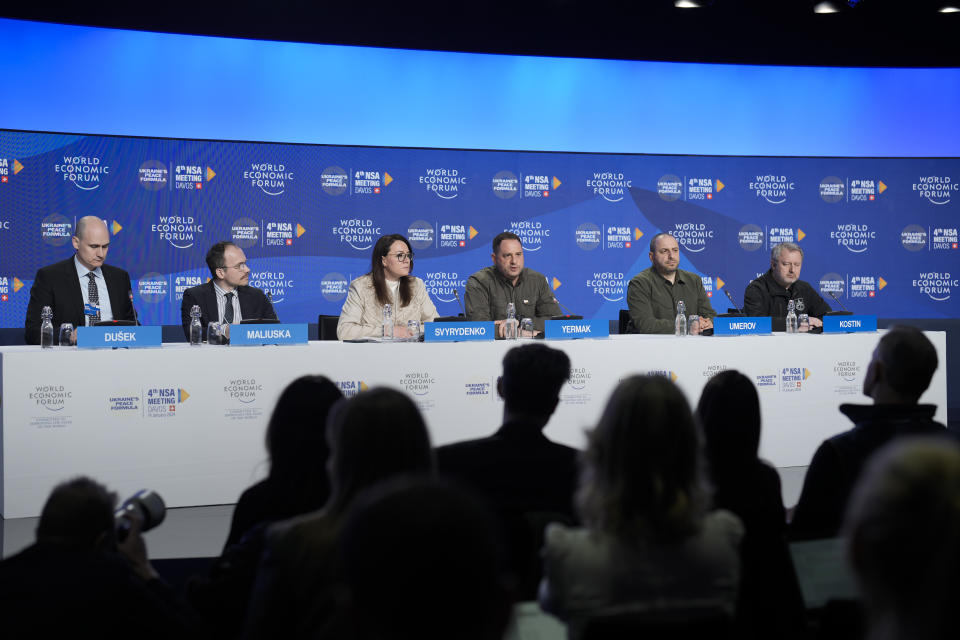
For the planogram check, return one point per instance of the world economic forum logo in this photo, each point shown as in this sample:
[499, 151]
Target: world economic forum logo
[85, 172]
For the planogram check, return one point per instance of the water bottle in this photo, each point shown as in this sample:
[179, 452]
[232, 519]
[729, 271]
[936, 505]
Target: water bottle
[680, 325]
[196, 330]
[388, 322]
[46, 328]
[510, 327]
[791, 317]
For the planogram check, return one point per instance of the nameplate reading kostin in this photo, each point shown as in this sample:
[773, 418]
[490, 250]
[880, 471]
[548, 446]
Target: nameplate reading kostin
[849, 324]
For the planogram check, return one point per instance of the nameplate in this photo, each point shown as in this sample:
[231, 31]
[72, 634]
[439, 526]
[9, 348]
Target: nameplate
[750, 325]
[458, 331]
[849, 324]
[250, 335]
[118, 337]
[573, 329]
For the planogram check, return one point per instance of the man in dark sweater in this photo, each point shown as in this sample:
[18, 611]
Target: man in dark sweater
[527, 478]
[903, 364]
[769, 294]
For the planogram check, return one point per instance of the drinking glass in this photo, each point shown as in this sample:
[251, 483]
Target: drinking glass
[66, 335]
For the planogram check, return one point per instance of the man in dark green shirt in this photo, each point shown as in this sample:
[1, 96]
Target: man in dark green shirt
[652, 295]
[489, 290]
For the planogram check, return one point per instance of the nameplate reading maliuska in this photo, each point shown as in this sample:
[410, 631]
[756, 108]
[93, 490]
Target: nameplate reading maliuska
[247, 335]
[849, 324]
[458, 331]
[118, 337]
[743, 326]
[573, 329]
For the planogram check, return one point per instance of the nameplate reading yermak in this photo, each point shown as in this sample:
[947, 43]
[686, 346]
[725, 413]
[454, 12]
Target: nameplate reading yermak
[573, 329]
[120, 337]
[458, 331]
[245, 335]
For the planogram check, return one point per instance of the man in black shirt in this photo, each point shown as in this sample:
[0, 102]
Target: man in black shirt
[769, 294]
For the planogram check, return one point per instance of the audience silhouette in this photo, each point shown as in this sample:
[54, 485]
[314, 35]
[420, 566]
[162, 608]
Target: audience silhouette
[903, 531]
[649, 544]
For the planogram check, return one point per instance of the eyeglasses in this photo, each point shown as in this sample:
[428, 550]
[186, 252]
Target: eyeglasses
[403, 257]
[240, 266]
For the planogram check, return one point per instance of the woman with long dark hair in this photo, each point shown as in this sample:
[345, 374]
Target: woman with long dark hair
[649, 544]
[388, 282]
[297, 447]
[769, 602]
[377, 436]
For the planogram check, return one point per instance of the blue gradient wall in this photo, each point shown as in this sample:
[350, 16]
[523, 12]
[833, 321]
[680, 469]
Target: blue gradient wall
[91, 80]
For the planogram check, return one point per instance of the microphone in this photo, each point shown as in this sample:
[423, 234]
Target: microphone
[565, 308]
[837, 300]
[456, 294]
[269, 297]
[136, 320]
[735, 305]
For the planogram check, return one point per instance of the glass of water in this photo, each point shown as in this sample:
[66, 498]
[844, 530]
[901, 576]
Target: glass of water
[216, 333]
[693, 325]
[803, 320]
[66, 335]
[526, 328]
[413, 326]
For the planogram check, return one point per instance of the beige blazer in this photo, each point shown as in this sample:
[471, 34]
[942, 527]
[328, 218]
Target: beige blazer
[362, 314]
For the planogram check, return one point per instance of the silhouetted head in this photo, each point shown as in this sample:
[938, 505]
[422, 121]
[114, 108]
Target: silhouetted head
[421, 561]
[296, 437]
[78, 514]
[902, 366]
[642, 470]
[375, 435]
[729, 413]
[533, 375]
[903, 532]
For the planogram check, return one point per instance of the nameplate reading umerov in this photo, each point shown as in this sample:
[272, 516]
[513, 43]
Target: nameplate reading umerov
[573, 329]
[849, 324]
[749, 325]
[118, 337]
[458, 331]
[248, 335]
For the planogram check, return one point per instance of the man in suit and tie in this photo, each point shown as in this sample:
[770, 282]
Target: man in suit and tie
[227, 297]
[81, 290]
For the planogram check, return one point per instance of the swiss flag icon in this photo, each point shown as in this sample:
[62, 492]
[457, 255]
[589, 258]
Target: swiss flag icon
[709, 196]
[199, 185]
[546, 194]
[954, 245]
[4, 297]
[3, 179]
[462, 243]
[709, 294]
[628, 245]
[376, 189]
[873, 293]
[289, 242]
[873, 197]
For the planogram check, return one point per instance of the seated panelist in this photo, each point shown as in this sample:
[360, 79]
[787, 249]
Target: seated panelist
[769, 294]
[653, 294]
[507, 280]
[388, 282]
[81, 290]
[227, 297]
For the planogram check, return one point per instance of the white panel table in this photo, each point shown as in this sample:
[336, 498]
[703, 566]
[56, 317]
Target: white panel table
[189, 421]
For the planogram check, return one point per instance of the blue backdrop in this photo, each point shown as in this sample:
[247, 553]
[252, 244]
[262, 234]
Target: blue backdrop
[880, 233]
